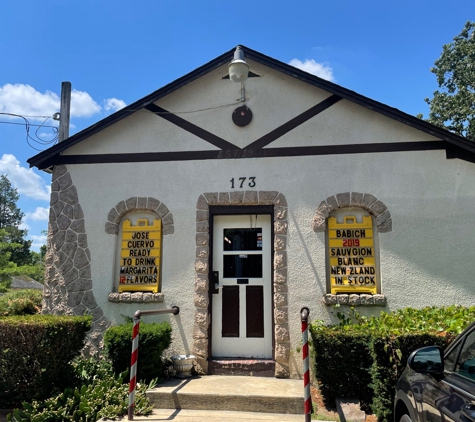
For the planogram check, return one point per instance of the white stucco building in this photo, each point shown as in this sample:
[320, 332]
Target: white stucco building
[304, 194]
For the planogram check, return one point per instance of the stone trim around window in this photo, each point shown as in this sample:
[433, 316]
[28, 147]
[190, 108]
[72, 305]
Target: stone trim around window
[383, 222]
[280, 311]
[365, 201]
[114, 217]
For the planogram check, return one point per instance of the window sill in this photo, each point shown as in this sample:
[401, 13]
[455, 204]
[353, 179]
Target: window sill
[136, 297]
[354, 300]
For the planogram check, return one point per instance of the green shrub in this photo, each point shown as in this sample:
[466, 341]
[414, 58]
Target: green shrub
[36, 353]
[154, 339]
[21, 302]
[372, 352]
[100, 394]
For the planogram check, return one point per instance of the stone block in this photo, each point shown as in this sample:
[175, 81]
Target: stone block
[237, 198]
[201, 266]
[162, 210]
[202, 203]
[82, 240]
[80, 259]
[58, 239]
[71, 236]
[280, 259]
[89, 299]
[280, 288]
[53, 198]
[343, 299]
[202, 226]
[280, 213]
[168, 229]
[58, 171]
[366, 299]
[199, 333]
[202, 239]
[282, 333]
[280, 201]
[267, 197]
[111, 228]
[344, 199]
[158, 297]
[64, 181]
[121, 208]
[368, 199]
[281, 371]
[202, 215]
[281, 315]
[125, 297]
[356, 199]
[152, 203]
[70, 195]
[280, 276]
[280, 300]
[142, 203]
[63, 222]
[202, 252]
[68, 211]
[377, 208]
[201, 283]
[168, 219]
[58, 208]
[201, 318]
[147, 298]
[386, 226]
[223, 198]
[211, 198]
[78, 226]
[114, 297]
[380, 300]
[201, 300]
[330, 299]
[69, 248]
[74, 299]
[332, 203]
[282, 352]
[280, 226]
[131, 203]
[136, 297]
[200, 347]
[354, 300]
[250, 198]
[280, 242]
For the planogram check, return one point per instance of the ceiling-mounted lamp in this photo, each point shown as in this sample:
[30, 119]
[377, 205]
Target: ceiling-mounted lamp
[238, 72]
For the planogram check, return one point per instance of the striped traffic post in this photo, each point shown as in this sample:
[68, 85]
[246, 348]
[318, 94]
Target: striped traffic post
[133, 367]
[304, 312]
[175, 310]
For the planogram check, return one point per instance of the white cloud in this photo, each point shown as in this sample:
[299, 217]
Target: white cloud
[40, 214]
[25, 100]
[25, 180]
[317, 69]
[38, 241]
[113, 104]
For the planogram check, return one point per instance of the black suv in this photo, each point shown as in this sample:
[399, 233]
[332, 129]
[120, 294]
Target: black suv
[439, 385]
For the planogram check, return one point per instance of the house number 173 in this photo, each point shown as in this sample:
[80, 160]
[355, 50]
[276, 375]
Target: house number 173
[240, 181]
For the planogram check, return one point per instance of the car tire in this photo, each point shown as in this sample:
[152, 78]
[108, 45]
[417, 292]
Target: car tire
[405, 418]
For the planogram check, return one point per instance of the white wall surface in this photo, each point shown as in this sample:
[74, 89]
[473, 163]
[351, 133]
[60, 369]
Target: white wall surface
[425, 260]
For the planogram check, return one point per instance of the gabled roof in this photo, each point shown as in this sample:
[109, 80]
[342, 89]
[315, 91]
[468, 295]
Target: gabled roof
[456, 146]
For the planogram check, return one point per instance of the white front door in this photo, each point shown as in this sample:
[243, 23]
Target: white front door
[241, 310]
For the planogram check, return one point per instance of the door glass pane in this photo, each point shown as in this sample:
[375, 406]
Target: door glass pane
[243, 239]
[242, 266]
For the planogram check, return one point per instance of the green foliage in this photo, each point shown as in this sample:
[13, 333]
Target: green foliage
[154, 338]
[363, 357]
[454, 106]
[99, 394]
[36, 354]
[21, 302]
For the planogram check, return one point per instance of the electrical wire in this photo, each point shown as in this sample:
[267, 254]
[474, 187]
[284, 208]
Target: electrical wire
[36, 138]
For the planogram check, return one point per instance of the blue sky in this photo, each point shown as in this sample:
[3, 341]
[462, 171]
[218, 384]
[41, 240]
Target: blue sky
[115, 52]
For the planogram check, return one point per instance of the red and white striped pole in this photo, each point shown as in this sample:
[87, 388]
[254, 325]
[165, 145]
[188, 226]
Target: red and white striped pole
[133, 367]
[304, 313]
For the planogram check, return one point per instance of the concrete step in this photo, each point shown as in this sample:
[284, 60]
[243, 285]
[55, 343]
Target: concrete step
[230, 393]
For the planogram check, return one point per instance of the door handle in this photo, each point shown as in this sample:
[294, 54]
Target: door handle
[217, 286]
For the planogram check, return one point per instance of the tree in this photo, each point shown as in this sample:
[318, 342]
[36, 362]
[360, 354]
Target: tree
[454, 106]
[10, 220]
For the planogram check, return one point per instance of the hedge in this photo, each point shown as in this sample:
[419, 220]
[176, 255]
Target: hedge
[36, 354]
[363, 357]
[154, 339]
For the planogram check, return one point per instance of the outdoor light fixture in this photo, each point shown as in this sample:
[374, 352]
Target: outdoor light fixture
[238, 68]
[238, 72]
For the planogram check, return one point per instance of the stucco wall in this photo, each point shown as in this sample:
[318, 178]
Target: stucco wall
[425, 260]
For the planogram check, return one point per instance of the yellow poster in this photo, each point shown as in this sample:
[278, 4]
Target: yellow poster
[140, 256]
[351, 256]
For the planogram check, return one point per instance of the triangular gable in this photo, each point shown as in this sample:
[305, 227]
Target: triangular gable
[220, 147]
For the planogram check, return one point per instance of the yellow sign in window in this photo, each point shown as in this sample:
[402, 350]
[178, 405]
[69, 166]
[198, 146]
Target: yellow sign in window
[351, 255]
[140, 256]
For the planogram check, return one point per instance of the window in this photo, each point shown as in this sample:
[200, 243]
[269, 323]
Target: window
[139, 253]
[352, 252]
